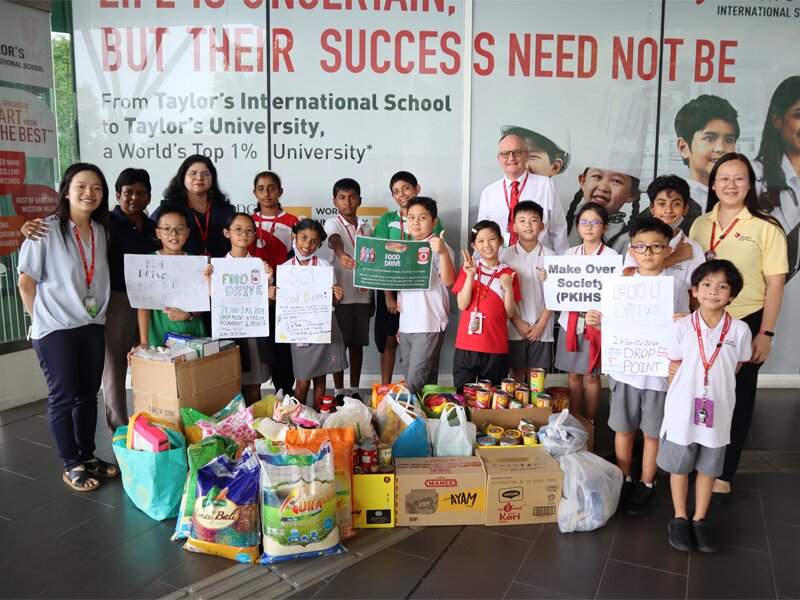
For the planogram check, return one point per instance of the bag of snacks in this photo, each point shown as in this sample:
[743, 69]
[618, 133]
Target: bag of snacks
[191, 416]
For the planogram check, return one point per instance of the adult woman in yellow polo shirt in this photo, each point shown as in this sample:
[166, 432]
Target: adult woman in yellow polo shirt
[735, 228]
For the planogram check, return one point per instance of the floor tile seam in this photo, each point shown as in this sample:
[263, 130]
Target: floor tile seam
[507, 535]
[783, 523]
[83, 496]
[769, 547]
[524, 559]
[7, 470]
[608, 558]
[435, 562]
[649, 568]
[57, 583]
[24, 439]
[688, 572]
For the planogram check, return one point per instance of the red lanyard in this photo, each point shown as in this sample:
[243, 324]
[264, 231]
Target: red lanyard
[505, 191]
[478, 295]
[358, 226]
[707, 365]
[88, 271]
[712, 245]
[599, 250]
[313, 260]
[203, 232]
[271, 230]
[402, 222]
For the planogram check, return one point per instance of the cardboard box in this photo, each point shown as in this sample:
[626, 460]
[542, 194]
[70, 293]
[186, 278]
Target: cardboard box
[373, 500]
[207, 384]
[204, 346]
[509, 418]
[440, 491]
[523, 485]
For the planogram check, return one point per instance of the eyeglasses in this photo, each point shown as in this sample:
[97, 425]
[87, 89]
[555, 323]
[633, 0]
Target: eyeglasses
[515, 153]
[170, 230]
[196, 174]
[249, 232]
[737, 181]
[643, 248]
[585, 223]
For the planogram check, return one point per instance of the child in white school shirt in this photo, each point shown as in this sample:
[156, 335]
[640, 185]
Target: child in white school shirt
[706, 350]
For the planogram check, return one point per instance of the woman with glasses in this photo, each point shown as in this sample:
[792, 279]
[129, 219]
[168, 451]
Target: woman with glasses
[196, 190]
[737, 229]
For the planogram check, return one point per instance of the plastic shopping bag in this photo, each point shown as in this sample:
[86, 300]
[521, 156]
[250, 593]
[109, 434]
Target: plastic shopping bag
[563, 434]
[455, 435]
[590, 492]
[153, 480]
[354, 414]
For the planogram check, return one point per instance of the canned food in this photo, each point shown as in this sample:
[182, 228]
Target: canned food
[495, 431]
[486, 440]
[359, 471]
[385, 469]
[537, 377]
[483, 398]
[508, 441]
[384, 454]
[508, 385]
[513, 433]
[514, 403]
[485, 383]
[369, 458]
[485, 427]
[522, 394]
[543, 401]
[559, 398]
[356, 456]
[526, 426]
[500, 399]
[469, 393]
[530, 439]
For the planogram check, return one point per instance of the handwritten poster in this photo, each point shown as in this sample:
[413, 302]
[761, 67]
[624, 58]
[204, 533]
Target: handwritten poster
[637, 318]
[239, 300]
[304, 304]
[392, 264]
[157, 282]
[576, 282]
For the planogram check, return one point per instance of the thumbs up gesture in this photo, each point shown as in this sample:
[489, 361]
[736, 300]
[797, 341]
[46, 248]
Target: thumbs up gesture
[437, 244]
[507, 281]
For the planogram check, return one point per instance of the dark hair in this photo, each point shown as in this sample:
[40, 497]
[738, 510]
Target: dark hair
[425, 201]
[233, 216]
[528, 206]
[650, 225]
[485, 224]
[598, 208]
[100, 214]
[719, 265]
[771, 150]
[272, 175]
[696, 114]
[130, 176]
[403, 176]
[576, 201]
[176, 189]
[750, 200]
[345, 185]
[171, 208]
[305, 224]
[669, 182]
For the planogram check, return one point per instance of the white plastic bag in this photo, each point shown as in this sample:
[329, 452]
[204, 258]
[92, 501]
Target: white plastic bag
[271, 430]
[397, 393]
[454, 437]
[563, 434]
[590, 491]
[291, 410]
[353, 413]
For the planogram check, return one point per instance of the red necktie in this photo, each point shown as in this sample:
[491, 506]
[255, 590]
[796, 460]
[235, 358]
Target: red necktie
[514, 202]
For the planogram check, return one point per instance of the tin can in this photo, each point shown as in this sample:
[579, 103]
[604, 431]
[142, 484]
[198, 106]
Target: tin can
[423, 255]
[485, 383]
[530, 439]
[384, 454]
[526, 425]
[508, 385]
[522, 394]
[359, 471]
[385, 469]
[508, 441]
[495, 431]
[356, 456]
[369, 458]
[500, 399]
[543, 401]
[483, 398]
[470, 389]
[537, 377]
[559, 398]
[514, 403]
[513, 433]
[486, 440]
[484, 427]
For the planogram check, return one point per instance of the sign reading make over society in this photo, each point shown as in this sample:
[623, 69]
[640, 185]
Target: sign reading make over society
[575, 283]
[392, 264]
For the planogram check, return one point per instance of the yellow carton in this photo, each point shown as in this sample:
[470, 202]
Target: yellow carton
[373, 500]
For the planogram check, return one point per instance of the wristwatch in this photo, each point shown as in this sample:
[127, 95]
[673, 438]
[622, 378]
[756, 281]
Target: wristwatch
[767, 332]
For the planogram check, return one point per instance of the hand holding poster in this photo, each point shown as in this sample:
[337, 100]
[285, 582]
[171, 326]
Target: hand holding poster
[574, 283]
[392, 264]
[239, 301]
[637, 318]
[158, 281]
[303, 310]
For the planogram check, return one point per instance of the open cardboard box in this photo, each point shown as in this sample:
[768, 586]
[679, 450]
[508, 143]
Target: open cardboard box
[509, 418]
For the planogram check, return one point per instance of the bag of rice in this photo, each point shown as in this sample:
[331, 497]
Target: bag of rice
[298, 496]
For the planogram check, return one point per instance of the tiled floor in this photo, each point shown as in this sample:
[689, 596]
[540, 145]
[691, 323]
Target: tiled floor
[61, 544]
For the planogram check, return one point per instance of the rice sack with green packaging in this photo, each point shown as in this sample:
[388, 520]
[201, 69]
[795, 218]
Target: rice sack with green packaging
[199, 455]
[298, 502]
[225, 517]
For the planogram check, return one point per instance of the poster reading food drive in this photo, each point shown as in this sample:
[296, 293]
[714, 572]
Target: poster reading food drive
[392, 264]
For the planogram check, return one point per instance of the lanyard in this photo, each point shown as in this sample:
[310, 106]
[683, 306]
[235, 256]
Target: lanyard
[203, 232]
[313, 260]
[402, 224]
[599, 250]
[357, 227]
[707, 365]
[261, 229]
[712, 246]
[478, 295]
[87, 270]
[505, 191]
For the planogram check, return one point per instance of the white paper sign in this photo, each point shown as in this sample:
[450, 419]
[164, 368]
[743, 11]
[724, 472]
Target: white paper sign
[303, 310]
[637, 319]
[155, 281]
[239, 301]
[575, 283]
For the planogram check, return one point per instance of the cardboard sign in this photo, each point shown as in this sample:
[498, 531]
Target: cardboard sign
[637, 318]
[239, 301]
[575, 283]
[303, 310]
[157, 281]
[392, 264]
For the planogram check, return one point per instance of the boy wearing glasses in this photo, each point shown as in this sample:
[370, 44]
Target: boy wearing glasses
[499, 199]
[637, 401]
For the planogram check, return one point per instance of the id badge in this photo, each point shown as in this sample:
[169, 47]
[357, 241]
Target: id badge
[90, 304]
[704, 412]
[303, 345]
[475, 323]
[580, 326]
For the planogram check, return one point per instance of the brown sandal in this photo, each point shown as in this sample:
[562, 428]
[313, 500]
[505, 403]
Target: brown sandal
[79, 480]
[100, 468]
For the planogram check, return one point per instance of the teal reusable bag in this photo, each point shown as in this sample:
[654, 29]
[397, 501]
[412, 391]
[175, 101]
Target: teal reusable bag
[153, 480]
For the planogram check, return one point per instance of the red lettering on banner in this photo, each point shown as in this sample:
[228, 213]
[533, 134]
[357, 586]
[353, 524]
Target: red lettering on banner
[565, 67]
[724, 61]
[120, 4]
[385, 37]
[209, 3]
[480, 50]
[644, 45]
[451, 52]
[622, 57]
[408, 67]
[703, 60]
[330, 67]
[672, 51]
[425, 52]
[165, 3]
[540, 54]
[563, 55]
[113, 47]
[583, 72]
[282, 42]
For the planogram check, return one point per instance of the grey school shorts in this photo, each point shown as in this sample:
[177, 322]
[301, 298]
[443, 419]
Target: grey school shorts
[353, 322]
[632, 409]
[523, 354]
[680, 460]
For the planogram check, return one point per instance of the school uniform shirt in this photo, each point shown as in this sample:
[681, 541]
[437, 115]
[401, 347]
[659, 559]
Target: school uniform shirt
[273, 237]
[682, 270]
[391, 226]
[494, 206]
[426, 311]
[678, 424]
[616, 236]
[680, 301]
[124, 238]
[55, 263]
[216, 244]
[788, 213]
[563, 317]
[348, 233]
[756, 247]
[527, 265]
[488, 300]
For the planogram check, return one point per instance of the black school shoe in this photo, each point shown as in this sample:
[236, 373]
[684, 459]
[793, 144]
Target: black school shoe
[641, 501]
[704, 539]
[680, 534]
[625, 494]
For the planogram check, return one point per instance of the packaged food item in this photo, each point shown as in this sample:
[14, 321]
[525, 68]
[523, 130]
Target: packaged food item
[192, 416]
[537, 378]
[225, 516]
[148, 433]
[298, 503]
[163, 354]
[238, 427]
[379, 391]
[522, 394]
